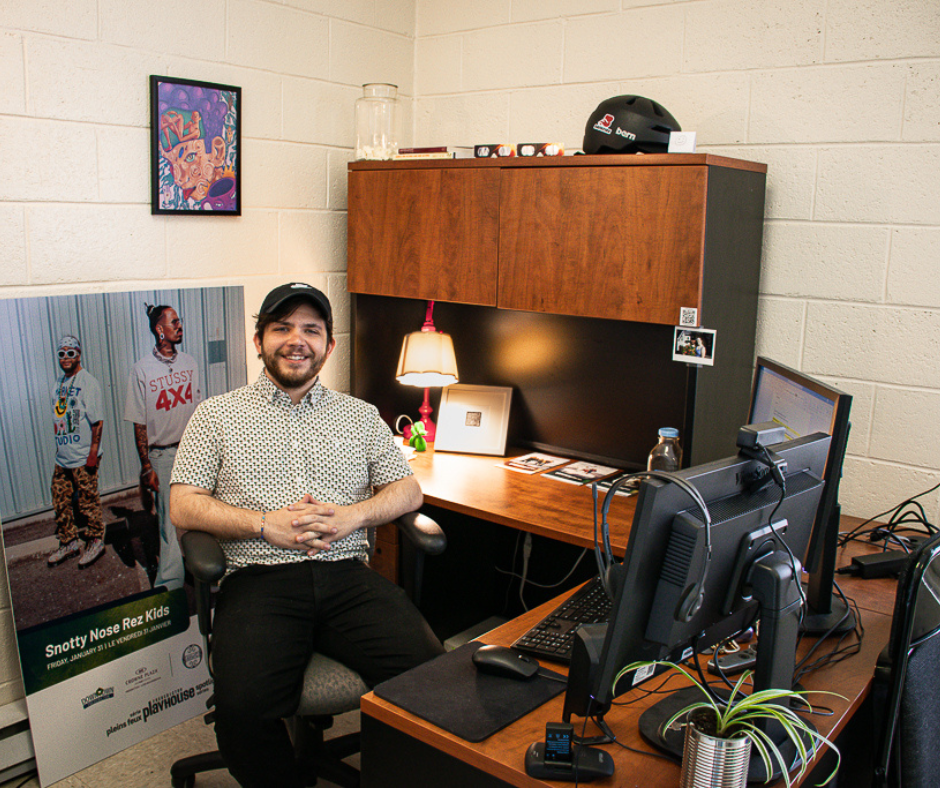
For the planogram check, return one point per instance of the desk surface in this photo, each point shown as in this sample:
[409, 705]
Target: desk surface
[479, 486]
[502, 754]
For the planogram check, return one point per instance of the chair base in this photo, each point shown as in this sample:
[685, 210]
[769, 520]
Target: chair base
[318, 757]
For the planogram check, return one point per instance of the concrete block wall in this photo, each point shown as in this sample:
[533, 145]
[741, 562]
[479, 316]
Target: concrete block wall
[75, 163]
[841, 98]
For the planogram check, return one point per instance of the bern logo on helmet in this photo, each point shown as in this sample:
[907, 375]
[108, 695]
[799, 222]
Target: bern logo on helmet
[604, 123]
[628, 134]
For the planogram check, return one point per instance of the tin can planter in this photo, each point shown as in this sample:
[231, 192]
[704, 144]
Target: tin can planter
[710, 762]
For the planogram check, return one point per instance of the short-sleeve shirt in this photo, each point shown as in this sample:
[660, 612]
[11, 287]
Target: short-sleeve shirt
[76, 407]
[252, 448]
[162, 394]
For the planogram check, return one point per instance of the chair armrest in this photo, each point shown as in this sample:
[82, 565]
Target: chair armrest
[203, 556]
[205, 561]
[423, 532]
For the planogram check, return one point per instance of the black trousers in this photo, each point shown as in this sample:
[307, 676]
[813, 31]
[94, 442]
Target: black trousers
[269, 620]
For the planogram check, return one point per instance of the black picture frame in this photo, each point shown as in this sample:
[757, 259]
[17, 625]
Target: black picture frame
[195, 147]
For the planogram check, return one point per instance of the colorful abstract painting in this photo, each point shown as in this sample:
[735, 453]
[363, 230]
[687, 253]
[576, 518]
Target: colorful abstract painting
[195, 138]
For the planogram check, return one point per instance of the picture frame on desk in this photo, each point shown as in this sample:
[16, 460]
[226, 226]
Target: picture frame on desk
[473, 419]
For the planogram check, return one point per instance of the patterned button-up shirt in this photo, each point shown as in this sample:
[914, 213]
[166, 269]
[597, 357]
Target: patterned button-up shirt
[254, 449]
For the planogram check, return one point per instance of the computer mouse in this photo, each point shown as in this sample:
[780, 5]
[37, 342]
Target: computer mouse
[503, 661]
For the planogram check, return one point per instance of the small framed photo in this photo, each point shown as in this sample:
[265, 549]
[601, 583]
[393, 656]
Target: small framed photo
[473, 419]
[694, 346]
[195, 147]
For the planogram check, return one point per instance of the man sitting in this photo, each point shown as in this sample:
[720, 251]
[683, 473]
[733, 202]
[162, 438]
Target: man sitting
[288, 475]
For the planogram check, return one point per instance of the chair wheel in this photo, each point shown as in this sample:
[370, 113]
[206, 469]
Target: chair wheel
[185, 782]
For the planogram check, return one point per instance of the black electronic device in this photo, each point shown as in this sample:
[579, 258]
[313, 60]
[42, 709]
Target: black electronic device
[738, 556]
[803, 405]
[587, 764]
[506, 662]
[558, 744]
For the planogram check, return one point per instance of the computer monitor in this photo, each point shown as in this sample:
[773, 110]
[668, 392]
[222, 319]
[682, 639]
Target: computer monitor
[803, 405]
[670, 601]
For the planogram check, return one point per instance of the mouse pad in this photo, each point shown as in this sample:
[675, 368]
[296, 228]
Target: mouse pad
[450, 693]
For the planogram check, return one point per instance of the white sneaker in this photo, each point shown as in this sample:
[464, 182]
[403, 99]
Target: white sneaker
[64, 551]
[93, 551]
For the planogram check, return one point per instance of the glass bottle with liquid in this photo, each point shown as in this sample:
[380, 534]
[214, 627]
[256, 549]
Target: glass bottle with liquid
[667, 454]
[377, 121]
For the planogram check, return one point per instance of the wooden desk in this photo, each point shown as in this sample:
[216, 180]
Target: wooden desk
[476, 485]
[400, 749]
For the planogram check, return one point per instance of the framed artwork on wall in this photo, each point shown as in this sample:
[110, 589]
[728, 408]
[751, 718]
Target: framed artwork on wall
[473, 419]
[195, 147]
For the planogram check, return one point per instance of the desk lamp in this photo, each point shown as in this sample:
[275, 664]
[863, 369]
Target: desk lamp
[427, 359]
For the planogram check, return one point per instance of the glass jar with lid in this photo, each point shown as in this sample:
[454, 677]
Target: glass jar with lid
[377, 121]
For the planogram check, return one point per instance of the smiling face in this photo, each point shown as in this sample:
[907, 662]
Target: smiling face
[70, 360]
[294, 350]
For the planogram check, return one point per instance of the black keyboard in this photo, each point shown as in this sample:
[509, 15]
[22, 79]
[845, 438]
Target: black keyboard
[553, 636]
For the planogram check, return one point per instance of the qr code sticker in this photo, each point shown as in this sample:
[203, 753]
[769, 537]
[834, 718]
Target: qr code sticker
[688, 316]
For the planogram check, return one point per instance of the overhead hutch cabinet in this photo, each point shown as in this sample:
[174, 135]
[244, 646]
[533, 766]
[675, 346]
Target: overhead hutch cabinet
[564, 278]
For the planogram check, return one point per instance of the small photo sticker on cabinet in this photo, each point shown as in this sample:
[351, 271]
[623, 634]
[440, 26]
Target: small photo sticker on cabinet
[688, 316]
[694, 346]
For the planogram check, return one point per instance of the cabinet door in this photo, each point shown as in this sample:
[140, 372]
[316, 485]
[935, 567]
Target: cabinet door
[424, 233]
[624, 243]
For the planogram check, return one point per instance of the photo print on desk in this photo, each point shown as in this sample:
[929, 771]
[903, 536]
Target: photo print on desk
[581, 472]
[536, 462]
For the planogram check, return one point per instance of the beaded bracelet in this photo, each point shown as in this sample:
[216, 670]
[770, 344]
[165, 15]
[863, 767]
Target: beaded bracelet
[263, 515]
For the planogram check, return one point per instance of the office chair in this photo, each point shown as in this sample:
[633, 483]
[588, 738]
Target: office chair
[907, 679]
[329, 688]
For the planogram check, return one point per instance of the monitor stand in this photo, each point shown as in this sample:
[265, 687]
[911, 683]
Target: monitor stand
[826, 613]
[774, 587]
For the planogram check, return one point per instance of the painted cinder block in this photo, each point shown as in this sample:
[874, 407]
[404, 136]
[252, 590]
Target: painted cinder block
[611, 47]
[513, 57]
[881, 344]
[284, 174]
[731, 35]
[96, 83]
[319, 112]
[276, 38]
[875, 30]
[74, 19]
[13, 95]
[879, 183]
[905, 427]
[31, 175]
[822, 104]
[178, 27]
[839, 262]
[438, 65]
[361, 54]
[912, 268]
[780, 323]
[13, 243]
[220, 247]
[313, 240]
[96, 243]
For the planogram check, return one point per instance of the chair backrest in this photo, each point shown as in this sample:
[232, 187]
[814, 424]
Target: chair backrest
[908, 678]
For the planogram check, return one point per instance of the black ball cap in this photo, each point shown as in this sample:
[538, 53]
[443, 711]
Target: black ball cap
[296, 290]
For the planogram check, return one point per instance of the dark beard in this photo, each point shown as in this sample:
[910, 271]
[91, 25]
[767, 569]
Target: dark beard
[292, 380]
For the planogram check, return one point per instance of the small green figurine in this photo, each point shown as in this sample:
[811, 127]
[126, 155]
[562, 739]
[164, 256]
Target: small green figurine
[417, 437]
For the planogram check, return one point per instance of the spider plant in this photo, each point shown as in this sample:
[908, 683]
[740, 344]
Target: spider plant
[742, 717]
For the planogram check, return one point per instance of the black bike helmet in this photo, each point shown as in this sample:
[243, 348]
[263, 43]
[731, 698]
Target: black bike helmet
[629, 124]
